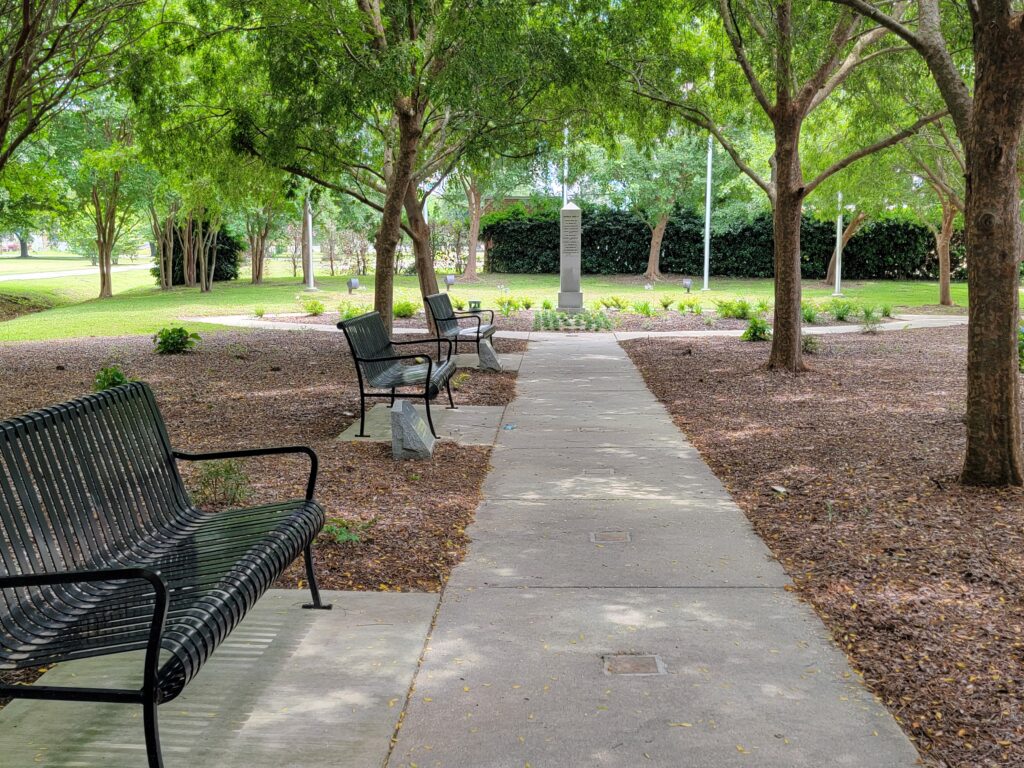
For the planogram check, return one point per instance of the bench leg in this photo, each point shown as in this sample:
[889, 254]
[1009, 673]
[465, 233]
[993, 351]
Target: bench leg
[152, 735]
[392, 399]
[362, 416]
[448, 386]
[430, 421]
[314, 590]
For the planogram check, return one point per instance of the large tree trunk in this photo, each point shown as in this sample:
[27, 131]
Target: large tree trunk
[163, 236]
[422, 248]
[851, 229]
[188, 252]
[23, 239]
[993, 233]
[787, 211]
[654, 257]
[475, 202]
[386, 242]
[943, 239]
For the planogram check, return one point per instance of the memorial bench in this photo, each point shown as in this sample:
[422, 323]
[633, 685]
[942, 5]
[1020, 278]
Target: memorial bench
[447, 321]
[380, 367]
[102, 551]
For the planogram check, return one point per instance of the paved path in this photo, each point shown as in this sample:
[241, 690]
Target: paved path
[605, 546]
[70, 273]
[903, 322]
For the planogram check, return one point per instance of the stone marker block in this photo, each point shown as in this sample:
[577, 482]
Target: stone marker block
[410, 435]
[488, 358]
[570, 298]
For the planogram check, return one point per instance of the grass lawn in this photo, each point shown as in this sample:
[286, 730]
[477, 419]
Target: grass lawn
[138, 307]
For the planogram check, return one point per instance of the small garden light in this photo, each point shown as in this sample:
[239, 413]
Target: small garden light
[648, 287]
[353, 283]
[449, 280]
[687, 284]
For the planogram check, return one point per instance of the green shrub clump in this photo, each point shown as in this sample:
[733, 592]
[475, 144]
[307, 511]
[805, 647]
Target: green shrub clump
[738, 309]
[587, 320]
[222, 483]
[841, 309]
[526, 302]
[643, 308]
[348, 310]
[109, 377]
[174, 341]
[613, 302]
[667, 302]
[259, 312]
[809, 312]
[887, 310]
[404, 308]
[342, 531]
[691, 305]
[757, 330]
[458, 303]
[507, 305]
[313, 307]
[546, 304]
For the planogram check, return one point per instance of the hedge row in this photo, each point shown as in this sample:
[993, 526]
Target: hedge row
[618, 242]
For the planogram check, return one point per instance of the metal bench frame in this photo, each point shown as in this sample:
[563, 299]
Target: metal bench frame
[447, 321]
[353, 337]
[34, 442]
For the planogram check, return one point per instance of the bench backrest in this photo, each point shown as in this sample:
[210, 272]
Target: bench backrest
[84, 479]
[444, 317]
[368, 339]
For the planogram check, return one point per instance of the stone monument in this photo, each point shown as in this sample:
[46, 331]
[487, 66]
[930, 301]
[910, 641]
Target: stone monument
[410, 435]
[488, 358]
[570, 298]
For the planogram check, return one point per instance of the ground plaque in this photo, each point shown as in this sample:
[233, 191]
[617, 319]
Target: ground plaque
[570, 298]
[488, 358]
[410, 435]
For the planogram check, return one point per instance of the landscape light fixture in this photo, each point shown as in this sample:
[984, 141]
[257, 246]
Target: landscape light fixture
[353, 283]
[648, 287]
[687, 284]
[449, 280]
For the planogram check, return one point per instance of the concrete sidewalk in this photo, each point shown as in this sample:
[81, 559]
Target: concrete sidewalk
[616, 609]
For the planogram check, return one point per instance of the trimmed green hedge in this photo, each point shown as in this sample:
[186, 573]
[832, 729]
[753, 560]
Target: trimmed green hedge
[618, 242]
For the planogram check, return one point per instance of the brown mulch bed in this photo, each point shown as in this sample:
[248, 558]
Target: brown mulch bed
[920, 579]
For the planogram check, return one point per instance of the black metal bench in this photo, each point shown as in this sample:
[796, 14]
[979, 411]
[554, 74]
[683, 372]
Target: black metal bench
[380, 367]
[102, 551]
[447, 321]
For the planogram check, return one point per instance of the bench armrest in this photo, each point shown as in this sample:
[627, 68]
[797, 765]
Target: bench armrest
[156, 627]
[476, 314]
[431, 340]
[244, 453]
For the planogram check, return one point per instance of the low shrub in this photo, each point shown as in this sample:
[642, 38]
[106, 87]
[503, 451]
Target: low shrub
[348, 310]
[763, 306]
[587, 320]
[546, 304]
[643, 308]
[810, 344]
[738, 309]
[342, 531]
[313, 307]
[458, 302]
[109, 377]
[526, 302]
[887, 310]
[507, 305]
[757, 330]
[841, 309]
[222, 483]
[259, 312]
[175, 341]
[404, 308]
[614, 302]
[667, 302]
[809, 312]
[870, 318]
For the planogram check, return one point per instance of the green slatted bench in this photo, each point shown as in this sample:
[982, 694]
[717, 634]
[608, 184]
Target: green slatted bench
[447, 321]
[379, 366]
[102, 550]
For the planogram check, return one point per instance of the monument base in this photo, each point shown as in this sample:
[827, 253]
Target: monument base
[570, 301]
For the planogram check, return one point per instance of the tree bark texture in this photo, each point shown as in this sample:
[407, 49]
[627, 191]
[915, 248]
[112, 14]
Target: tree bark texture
[23, 238]
[654, 257]
[943, 241]
[474, 199]
[423, 249]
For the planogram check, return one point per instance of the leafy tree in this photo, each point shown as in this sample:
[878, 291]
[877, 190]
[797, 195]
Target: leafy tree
[790, 58]
[984, 93]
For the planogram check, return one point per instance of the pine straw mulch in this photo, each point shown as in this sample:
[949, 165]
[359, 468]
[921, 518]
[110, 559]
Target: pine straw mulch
[920, 579]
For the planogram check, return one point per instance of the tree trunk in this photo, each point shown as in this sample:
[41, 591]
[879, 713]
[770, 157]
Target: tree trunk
[943, 238]
[475, 202]
[22, 244]
[409, 132]
[851, 229]
[188, 252]
[654, 258]
[422, 248]
[104, 260]
[993, 234]
[787, 211]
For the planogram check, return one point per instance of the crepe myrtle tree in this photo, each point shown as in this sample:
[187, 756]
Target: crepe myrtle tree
[786, 61]
[975, 53]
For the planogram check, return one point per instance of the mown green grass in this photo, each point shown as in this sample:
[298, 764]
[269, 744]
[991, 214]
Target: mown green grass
[139, 307]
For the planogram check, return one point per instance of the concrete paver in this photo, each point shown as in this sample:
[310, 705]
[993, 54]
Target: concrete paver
[603, 534]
